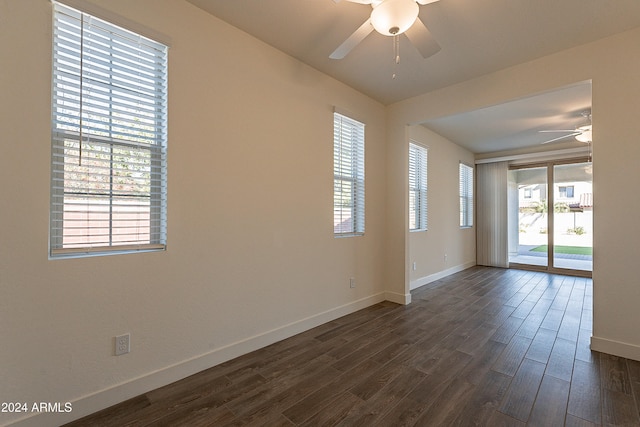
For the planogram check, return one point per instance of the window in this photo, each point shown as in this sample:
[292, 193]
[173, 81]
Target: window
[109, 136]
[466, 195]
[566, 192]
[348, 176]
[417, 187]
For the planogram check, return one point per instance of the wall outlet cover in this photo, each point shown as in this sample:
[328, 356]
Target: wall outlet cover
[122, 344]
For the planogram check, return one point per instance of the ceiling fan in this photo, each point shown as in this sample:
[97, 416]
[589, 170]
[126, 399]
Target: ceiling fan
[581, 133]
[392, 18]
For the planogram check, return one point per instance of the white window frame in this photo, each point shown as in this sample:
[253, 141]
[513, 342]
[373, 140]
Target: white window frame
[348, 176]
[418, 162]
[108, 136]
[465, 173]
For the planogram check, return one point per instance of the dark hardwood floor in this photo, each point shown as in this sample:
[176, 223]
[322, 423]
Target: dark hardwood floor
[486, 346]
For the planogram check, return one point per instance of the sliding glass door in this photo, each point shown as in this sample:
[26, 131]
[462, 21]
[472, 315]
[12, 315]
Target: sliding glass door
[572, 218]
[528, 216]
[550, 217]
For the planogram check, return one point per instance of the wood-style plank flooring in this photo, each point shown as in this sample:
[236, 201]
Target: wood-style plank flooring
[485, 347]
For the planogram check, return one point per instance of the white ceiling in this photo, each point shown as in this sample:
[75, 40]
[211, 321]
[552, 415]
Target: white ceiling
[477, 38]
[517, 124]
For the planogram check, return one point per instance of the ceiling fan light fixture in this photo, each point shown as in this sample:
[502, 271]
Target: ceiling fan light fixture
[393, 17]
[585, 134]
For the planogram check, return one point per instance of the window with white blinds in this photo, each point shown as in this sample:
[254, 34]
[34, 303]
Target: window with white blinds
[348, 176]
[466, 195]
[417, 187]
[109, 137]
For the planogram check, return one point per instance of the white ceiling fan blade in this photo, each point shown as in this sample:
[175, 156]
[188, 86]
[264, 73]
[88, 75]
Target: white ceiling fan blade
[422, 39]
[353, 40]
[561, 137]
[423, 2]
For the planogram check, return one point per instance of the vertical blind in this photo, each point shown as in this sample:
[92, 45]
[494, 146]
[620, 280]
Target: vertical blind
[109, 137]
[348, 175]
[466, 195]
[492, 214]
[417, 187]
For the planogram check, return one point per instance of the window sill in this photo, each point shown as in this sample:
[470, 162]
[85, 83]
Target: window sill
[95, 252]
[340, 236]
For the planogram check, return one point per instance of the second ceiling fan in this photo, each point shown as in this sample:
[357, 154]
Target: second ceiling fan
[392, 18]
[581, 133]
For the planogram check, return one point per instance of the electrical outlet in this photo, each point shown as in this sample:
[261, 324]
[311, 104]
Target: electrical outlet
[414, 266]
[352, 282]
[123, 344]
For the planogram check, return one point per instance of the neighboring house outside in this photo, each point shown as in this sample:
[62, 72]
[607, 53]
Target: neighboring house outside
[572, 194]
[573, 210]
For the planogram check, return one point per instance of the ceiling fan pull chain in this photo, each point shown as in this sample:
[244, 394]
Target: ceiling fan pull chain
[396, 54]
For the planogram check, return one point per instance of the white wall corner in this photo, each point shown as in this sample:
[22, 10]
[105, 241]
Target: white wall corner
[617, 348]
[421, 281]
[403, 299]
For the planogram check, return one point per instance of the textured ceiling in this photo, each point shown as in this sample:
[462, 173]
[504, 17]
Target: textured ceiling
[477, 38]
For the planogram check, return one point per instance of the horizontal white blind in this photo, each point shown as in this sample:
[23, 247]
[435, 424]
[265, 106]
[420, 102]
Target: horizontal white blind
[466, 195]
[348, 175]
[417, 187]
[109, 137]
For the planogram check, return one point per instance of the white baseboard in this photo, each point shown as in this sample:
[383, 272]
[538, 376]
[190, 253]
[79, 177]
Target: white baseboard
[105, 398]
[403, 299]
[439, 275]
[617, 348]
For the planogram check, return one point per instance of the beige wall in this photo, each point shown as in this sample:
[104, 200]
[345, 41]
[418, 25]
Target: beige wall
[612, 64]
[251, 255]
[443, 237]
